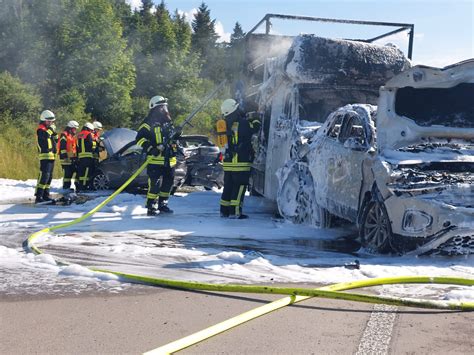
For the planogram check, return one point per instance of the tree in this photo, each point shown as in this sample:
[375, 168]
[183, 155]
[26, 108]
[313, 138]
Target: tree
[20, 102]
[183, 32]
[235, 53]
[203, 42]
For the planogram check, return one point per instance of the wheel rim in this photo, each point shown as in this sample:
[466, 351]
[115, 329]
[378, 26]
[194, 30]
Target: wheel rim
[376, 227]
[100, 182]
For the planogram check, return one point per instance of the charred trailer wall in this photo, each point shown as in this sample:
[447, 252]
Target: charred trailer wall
[319, 60]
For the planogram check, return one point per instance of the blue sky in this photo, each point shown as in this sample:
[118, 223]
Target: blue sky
[444, 30]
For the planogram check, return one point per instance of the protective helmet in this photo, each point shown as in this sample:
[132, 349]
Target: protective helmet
[97, 125]
[157, 101]
[72, 124]
[89, 125]
[229, 106]
[47, 115]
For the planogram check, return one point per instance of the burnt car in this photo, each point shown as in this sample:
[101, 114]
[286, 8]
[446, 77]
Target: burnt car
[198, 162]
[403, 172]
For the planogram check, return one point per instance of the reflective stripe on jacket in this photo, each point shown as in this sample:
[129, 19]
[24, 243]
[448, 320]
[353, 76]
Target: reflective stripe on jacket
[46, 142]
[239, 154]
[85, 144]
[149, 137]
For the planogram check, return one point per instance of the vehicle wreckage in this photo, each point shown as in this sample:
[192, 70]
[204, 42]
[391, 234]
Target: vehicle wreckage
[401, 171]
[406, 183]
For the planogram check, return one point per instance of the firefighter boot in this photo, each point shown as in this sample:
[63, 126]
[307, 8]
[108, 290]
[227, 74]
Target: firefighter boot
[224, 211]
[46, 196]
[151, 208]
[163, 207]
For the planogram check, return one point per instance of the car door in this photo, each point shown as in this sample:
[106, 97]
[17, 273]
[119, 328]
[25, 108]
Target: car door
[344, 169]
[322, 160]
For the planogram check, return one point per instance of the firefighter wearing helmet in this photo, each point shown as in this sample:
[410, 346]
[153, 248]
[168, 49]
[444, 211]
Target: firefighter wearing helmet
[239, 128]
[157, 136]
[67, 148]
[86, 146]
[96, 134]
[46, 142]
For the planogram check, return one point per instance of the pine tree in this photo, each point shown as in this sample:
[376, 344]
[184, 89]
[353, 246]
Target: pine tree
[203, 42]
[183, 32]
[237, 34]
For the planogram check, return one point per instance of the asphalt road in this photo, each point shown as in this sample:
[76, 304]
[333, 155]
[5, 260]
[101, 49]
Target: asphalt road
[143, 318]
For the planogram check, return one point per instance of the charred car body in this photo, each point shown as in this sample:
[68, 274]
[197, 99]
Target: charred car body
[315, 77]
[198, 162]
[409, 183]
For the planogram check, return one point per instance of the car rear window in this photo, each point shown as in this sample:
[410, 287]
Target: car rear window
[450, 107]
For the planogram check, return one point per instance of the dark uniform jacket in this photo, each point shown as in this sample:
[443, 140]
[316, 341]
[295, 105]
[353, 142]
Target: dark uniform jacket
[46, 142]
[86, 144]
[151, 135]
[240, 154]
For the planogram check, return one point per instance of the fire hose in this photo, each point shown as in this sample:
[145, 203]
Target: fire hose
[294, 295]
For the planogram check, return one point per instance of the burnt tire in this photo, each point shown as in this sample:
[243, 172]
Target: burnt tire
[375, 230]
[100, 181]
[298, 186]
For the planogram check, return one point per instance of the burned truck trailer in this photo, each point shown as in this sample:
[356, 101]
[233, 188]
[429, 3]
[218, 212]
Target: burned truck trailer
[301, 87]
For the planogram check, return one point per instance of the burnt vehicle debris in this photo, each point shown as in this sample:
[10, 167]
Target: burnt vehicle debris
[198, 162]
[405, 177]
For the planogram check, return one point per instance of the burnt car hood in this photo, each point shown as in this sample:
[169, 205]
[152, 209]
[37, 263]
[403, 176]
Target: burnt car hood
[425, 104]
[117, 138]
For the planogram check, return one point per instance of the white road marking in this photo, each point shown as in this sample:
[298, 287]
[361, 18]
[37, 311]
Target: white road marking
[378, 332]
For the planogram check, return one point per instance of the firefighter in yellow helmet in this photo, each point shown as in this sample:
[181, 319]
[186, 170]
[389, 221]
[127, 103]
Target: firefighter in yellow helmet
[46, 141]
[157, 136]
[238, 157]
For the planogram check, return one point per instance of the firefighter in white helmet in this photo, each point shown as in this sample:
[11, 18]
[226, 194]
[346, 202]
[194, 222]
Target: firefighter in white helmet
[238, 157]
[46, 142]
[85, 154]
[96, 134]
[67, 148]
[157, 136]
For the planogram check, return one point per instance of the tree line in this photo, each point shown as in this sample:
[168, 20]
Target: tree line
[101, 60]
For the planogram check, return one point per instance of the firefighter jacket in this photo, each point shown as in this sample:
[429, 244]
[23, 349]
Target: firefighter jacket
[67, 147]
[239, 154]
[86, 144]
[151, 136]
[46, 141]
[96, 137]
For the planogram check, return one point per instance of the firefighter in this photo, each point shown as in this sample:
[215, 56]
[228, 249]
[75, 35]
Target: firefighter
[46, 141]
[157, 136]
[85, 154]
[96, 135]
[68, 153]
[238, 157]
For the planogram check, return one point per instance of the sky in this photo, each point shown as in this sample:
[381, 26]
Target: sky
[444, 29]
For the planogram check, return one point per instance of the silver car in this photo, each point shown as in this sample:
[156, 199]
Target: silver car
[409, 185]
[198, 162]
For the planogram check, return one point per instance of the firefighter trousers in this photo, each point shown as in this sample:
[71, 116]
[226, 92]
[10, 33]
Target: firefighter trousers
[85, 169]
[157, 189]
[232, 199]
[44, 178]
[69, 170]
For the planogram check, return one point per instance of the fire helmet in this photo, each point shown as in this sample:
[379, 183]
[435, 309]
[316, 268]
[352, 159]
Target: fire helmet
[228, 106]
[72, 124]
[157, 101]
[47, 115]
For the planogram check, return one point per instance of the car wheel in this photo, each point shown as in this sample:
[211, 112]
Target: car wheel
[376, 231]
[296, 198]
[100, 181]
